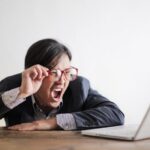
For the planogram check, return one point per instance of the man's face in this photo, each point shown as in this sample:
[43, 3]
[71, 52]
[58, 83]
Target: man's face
[51, 92]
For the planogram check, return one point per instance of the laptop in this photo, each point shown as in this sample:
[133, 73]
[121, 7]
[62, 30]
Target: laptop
[130, 132]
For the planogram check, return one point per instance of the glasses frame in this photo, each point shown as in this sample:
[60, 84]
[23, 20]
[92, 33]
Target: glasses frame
[63, 72]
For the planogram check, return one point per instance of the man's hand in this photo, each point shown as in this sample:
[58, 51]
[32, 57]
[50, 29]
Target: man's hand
[49, 124]
[31, 80]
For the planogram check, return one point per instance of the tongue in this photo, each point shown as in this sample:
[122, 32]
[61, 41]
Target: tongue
[56, 94]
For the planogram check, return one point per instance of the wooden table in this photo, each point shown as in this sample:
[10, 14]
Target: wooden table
[63, 140]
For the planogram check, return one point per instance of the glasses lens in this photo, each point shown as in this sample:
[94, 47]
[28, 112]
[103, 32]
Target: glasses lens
[55, 74]
[71, 74]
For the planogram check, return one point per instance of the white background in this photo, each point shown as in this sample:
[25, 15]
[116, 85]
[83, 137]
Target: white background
[110, 42]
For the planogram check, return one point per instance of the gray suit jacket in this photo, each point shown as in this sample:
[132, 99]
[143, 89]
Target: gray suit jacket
[89, 108]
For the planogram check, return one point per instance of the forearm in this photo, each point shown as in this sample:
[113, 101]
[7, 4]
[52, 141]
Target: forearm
[3, 109]
[63, 121]
[44, 124]
[99, 117]
[9, 100]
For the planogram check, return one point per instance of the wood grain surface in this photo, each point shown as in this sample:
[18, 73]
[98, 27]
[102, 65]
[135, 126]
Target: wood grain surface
[63, 140]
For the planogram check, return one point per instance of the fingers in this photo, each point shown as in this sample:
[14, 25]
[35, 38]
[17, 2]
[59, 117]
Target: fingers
[15, 127]
[48, 124]
[22, 127]
[37, 72]
[32, 79]
[44, 72]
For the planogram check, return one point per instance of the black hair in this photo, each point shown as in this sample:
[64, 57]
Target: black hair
[44, 52]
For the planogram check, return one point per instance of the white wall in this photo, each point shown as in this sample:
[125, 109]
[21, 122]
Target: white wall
[109, 41]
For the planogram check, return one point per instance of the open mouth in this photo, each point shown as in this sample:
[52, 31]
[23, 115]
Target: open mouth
[56, 94]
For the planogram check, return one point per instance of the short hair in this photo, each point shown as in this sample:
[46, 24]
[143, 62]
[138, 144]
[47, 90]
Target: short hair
[44, 52]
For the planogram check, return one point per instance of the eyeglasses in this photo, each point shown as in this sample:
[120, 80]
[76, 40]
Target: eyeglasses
[69, 73]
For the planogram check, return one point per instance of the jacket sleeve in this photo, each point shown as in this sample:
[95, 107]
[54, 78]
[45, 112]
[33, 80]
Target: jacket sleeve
[7, 84]
[97, 110]
[3, 109]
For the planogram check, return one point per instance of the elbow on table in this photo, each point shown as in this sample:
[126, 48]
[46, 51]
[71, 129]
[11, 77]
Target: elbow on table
[120, 118]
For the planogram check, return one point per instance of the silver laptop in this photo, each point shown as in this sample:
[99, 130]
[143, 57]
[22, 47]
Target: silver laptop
[124, 132]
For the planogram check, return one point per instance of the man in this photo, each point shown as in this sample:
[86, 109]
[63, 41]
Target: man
[48, 95]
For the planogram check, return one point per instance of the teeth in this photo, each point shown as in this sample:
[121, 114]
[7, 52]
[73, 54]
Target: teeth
[57, 90]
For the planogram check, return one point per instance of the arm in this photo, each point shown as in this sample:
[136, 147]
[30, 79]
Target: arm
[6, 85]
[44, 124]
[97, 110]
[9, 100]
[14, 89]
